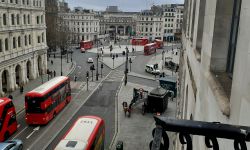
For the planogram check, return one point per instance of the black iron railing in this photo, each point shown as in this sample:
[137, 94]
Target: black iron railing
[210, 130]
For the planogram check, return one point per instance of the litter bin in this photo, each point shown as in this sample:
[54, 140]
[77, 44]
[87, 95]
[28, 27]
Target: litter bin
[119, 145]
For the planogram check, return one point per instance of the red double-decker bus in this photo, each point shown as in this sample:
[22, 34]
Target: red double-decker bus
[87, 133]
[150, 49]
[159, 43]
[85, 45]
[8, 123]
[139, 41]
[44, 102]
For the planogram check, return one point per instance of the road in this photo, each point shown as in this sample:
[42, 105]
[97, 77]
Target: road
[38, 136]
[101, 103]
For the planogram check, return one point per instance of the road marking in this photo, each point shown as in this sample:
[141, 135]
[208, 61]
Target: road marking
[49, 142]
[20, 132]
[34, 130]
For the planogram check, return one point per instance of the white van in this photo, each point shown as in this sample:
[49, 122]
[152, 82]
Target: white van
[150, 69]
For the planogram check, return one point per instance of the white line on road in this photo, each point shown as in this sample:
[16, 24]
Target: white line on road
[34, 130]
[20, 132]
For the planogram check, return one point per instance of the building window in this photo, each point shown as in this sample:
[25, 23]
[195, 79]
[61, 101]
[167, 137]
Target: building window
[38, 39]
[6, 44]
[11, 1]
[14, 42]
[41, 18]
[37, 19]
[4, 19]
[1, 48]
[233, 37]
[23, 2]
[12, 19]
[29, 39]
[17, 19]
[42, 37]
[28, 19]
[24, 19]
[16, 1]
[25, 40]
[19, 41]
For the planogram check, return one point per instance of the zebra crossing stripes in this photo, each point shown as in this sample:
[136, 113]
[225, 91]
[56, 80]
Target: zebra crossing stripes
[116, 75]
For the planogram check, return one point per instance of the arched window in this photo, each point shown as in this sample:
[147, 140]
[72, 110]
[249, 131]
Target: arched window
[23, 2]
[6, 44]
[14, 42]
[19, 41]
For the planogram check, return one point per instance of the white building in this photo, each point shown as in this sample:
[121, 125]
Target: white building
[215, 79]
[173, 17]
[149, 25]
[82, 24]
[23, 48]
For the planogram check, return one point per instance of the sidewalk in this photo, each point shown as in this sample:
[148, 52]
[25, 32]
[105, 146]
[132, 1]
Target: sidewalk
[18, 98]
[136, 131]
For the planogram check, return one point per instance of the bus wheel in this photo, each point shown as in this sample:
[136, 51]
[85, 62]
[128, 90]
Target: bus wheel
[6, 135]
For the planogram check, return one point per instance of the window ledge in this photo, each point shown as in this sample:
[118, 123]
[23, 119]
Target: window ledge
[219, 93]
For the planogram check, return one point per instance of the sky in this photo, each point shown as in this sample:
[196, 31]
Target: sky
[123, 5]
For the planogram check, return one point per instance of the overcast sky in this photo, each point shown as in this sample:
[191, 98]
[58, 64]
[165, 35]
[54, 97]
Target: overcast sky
[124, 5]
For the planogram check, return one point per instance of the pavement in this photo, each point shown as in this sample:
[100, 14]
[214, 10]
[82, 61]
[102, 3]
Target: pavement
[18, 98]
[136, 131]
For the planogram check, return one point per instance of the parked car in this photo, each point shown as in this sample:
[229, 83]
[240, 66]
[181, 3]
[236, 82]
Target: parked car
[152, 70]
[90, 60]
[11, 145]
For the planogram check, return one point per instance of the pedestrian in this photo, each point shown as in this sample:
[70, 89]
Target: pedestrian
[54, 73]
[116, 55]
[75, 77]
[10, 97]
[21, 89]
[177, 68]
[54, 55]
[51, 62]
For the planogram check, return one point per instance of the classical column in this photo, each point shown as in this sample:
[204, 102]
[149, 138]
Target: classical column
[116, 29]
[23, 73]
[124, 30]
[11, 79]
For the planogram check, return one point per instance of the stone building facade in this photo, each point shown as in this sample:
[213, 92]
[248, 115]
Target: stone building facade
[149, 25]
[23, 48]
[83, 25]
[173, 18]
[117, 23]
[215, 79]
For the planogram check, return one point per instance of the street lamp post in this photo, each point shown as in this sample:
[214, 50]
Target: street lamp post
[97, 57]
[87, 75]
[61, 63]
[126, 68]
[101, 69]
[130, 62]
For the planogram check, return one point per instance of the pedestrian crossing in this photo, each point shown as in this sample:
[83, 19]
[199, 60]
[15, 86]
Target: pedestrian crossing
[115, 75]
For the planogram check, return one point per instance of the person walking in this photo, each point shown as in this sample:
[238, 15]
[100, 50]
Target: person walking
[21, 89]
[54, 73]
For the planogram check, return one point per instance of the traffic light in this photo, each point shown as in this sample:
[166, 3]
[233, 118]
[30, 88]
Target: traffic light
[123, 53]
[101, 65]
[130, 60]
[87, 74]
[92, 67]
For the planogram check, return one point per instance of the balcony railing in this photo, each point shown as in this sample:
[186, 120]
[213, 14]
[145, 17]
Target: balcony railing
[210, 130]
